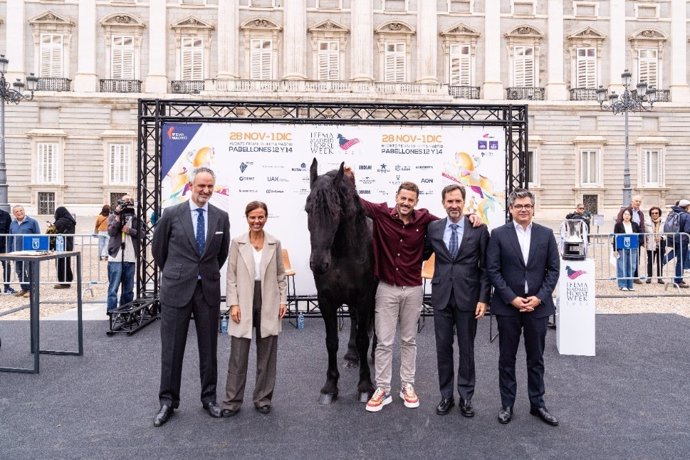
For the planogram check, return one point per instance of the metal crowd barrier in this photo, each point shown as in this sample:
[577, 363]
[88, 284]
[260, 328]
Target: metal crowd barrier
[94, 266]
[601, 249]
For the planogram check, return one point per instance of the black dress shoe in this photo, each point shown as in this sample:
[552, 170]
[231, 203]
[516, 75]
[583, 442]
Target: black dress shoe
[163, 415]
[213, 409]
[505, 414]
[466, 407]
[444, 406]
[543, 414]
[229, 412]
[264, 409]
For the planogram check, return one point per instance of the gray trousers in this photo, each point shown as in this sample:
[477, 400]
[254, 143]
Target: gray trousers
[266, 361]
[396, 304]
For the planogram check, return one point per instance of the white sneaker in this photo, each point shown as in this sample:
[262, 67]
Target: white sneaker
[408, 395]
[379, 399]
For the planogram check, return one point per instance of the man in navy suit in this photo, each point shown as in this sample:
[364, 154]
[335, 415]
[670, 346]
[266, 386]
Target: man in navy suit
[460, 294]
[523, 266]
[190, 245]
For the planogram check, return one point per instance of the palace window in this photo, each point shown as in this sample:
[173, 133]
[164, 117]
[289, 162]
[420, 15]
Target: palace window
[589, 167]
[119, 164]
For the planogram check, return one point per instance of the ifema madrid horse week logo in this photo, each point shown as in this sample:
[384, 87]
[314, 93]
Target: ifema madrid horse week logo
[576, 291]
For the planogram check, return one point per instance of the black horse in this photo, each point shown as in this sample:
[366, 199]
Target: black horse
[342, 261]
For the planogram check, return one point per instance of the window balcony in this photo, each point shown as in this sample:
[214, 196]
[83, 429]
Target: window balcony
[583, 94]
[464, 92]
[120, 86]
[53, 84]
[516, 93]
[662, 95]
[186, 86]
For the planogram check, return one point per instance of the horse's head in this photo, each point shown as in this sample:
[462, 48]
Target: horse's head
[325, 211]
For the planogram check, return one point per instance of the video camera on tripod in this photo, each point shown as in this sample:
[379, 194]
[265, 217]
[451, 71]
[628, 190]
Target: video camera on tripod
[126, 208]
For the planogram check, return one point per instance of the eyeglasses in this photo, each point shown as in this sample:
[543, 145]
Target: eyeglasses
[520, 207]
[655, 212]
[580, 209]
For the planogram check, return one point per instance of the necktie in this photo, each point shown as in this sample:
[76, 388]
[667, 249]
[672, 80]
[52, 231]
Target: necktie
[200, 232]
[453, 244]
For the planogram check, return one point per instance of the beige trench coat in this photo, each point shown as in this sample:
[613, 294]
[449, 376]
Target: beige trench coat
[240, 287]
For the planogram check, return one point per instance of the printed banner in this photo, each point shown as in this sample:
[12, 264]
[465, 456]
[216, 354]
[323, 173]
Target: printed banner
[270, 162]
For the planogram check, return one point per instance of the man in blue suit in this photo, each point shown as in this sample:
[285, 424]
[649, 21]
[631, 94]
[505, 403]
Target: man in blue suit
[460, 294]
[523, 266]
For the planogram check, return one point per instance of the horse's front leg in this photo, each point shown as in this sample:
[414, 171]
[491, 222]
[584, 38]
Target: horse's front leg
[352, 354]
[329, 392]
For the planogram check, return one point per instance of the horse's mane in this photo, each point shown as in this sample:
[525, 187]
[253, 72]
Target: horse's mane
[331, 201]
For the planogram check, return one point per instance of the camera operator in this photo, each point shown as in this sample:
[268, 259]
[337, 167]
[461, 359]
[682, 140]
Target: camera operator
[125, 231]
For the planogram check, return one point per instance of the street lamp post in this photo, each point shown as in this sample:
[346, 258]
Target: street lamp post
[624, 103]
[14, 95]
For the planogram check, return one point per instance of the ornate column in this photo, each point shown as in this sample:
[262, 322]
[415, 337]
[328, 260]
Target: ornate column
[295, 40]
[679, 42]
[362, 49]
[86, 80]
[555, 86]
[157, 78]
[427, 41]
[493, 85]
[228, 40]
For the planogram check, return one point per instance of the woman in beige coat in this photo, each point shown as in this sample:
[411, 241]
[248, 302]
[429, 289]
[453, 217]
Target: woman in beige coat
[256, 293]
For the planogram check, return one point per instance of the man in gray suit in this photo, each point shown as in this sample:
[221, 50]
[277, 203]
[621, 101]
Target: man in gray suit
[460, 294]
[523, 266]
[190, 245]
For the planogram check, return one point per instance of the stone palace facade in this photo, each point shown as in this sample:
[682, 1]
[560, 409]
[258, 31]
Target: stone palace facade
[75, 142]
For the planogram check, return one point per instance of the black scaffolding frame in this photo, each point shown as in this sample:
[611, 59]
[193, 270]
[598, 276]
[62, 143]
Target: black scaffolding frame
[152, 113]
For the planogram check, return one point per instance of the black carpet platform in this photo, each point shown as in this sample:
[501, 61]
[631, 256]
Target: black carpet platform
[630, 401]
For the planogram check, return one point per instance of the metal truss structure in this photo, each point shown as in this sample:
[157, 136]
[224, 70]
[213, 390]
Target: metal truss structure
[154, 112]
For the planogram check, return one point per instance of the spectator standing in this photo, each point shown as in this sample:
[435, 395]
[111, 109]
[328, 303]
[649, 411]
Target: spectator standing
[638, 218]
[655, 242]
[125, 231]
[581, 214]
[65, 224]
[680, 242]
[22, 225]
[626, 257]
[5, 221]
[101, 229]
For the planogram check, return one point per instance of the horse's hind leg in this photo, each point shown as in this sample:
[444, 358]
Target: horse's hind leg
[352, 354]
[329, 392]
[365, 387]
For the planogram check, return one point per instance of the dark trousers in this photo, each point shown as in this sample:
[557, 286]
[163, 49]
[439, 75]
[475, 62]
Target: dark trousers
[174, 327]
[6, 274]
[534, 331]
[64, 270]
[24, 274]
[465, 328]
[657, 255]
[266, 362]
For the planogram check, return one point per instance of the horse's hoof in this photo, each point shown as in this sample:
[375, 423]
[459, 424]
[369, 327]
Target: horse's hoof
[325, 399]
[351, 364]
[364, 397]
